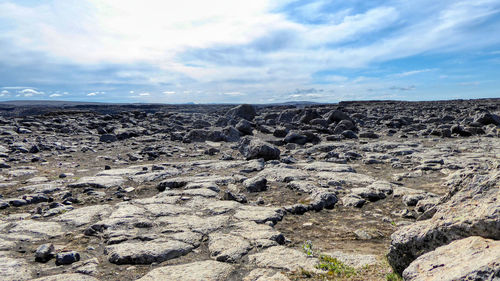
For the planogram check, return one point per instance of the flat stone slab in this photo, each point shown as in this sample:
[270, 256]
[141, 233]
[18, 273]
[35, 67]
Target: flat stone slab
[473, 258]
[37, 229]
[265, 274]
[227, 247]
[67, 277]
[281, 257]
[197, 271]
[14, 269]
[347, 178]
[146, 252]
[84, 215]
[259, 214]
[327, 167]
[98, 182]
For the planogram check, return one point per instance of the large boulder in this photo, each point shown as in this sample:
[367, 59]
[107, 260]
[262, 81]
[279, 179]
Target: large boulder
[337, 116]
[471, 208]
[473, 258]
[254, 148]
[242, 111]
[488, 118]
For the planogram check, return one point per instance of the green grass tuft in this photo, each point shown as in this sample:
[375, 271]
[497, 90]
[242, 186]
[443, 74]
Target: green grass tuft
[393, 277]
[334, 267]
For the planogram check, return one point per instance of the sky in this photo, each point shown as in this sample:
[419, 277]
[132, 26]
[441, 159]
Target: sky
[241, 51]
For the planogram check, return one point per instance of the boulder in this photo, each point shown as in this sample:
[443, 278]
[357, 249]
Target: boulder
[472, 258]
[108, 138]
[470, 209]
[488, 118]
[337, 116]
[255, 184]
[65, 258]
[244, 127]
[243, 111]
[254, 148]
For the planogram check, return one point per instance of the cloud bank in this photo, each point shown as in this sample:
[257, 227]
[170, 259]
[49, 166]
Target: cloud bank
[247, 51]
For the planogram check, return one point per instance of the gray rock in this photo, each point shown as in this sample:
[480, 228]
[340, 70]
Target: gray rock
[349, 134]
[259, 214]
[255, 184]
[195, 271]
[473, 258]
[44, 253]
[108, 138]
[37, 229]
[88, 267]
[470, 209]
[17, 202]
[368, 135]
[281, 257]
[426, 204]
[231, 134]
[12, 269]
[337, 116]
[84, 215]
[65, 258]
[488, 118]
[297, 209]
[67, 277]
[98, 182]
[368, 193]
[3, 204]
[353, 200]
[146, 252]
[244, 111]
[227, 248]
[322, 200]
[244, 127]
[254, 148]
[229, 195]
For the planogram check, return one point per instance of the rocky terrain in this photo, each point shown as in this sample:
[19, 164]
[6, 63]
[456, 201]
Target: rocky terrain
[348, 191]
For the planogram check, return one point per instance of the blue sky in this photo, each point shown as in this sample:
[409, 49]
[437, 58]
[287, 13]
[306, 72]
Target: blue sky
[259, 51]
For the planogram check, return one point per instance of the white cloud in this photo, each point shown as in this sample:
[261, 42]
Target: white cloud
[234, 94]
[91, 94]
[55, 95]
[144, 94]
[30, 92]
[158, 34]
[413, 72]
[335, 78]
[5, 92]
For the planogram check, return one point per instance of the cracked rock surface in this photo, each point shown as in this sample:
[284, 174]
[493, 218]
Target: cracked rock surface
[221, 192]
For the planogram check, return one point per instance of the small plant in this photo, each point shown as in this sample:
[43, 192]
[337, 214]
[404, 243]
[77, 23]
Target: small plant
[393, 277]
[305, 273]
[393, 223]
[307, 247]
[334, 267]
